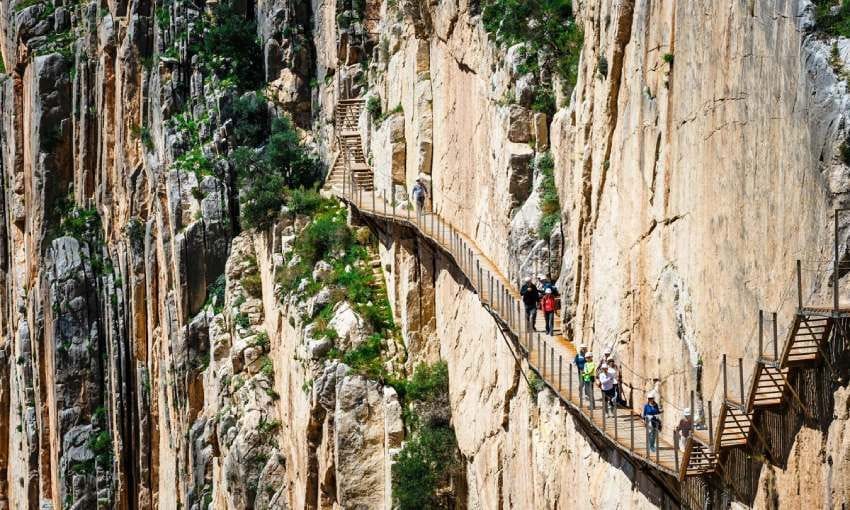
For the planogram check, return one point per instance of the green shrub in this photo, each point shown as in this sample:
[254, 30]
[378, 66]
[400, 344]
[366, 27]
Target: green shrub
[253, 285]
[230, 48]
[250, 117]
[835, 23]
[366, 358]
[215, 294]
[81, 224]
[426, 463]
[547, 27]
[550, 204]
[285, 154]
[326, 233]
[373, 106]
[667, 58]
[265, 176]
[304, 201]
[428, 382]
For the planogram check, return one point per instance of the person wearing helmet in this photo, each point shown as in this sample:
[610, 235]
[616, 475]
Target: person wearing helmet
[650, 414]
[530, 298]
[548, 305]
[685, 427]
[587, 377]
[546, 283]
[606, 384]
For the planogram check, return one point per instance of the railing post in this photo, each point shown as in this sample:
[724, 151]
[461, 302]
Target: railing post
[560, 367]
[676, 450]
[616, 431]
[543, 366]
[539, 353]
[761, 332]
[710, 427]
[657, 447]
[552, 363]
[631, 420]
[580, 389]
[723, 364]
[646, 435]
[775, 339]
[741, 381]
[799, 285]
[604, 414]
[835, 277]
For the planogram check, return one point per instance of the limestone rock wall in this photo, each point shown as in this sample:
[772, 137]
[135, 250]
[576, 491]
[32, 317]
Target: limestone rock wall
[691, 173]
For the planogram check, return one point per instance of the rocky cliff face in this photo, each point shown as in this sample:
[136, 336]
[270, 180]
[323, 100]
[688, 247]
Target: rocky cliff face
[159, 351]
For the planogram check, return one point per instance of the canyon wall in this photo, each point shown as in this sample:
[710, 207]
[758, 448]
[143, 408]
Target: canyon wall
[158, 353]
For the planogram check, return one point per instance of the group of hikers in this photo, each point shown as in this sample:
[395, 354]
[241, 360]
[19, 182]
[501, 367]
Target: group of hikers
[542, 295]
[607, 377]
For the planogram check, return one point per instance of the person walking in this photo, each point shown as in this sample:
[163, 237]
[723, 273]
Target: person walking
[419, 193]
[548, 305]
[588, 375]
[546, 283]
[651, 413]
[606, 384]
[617, 382]
[580, 361]
[685, 427]
[530, 298]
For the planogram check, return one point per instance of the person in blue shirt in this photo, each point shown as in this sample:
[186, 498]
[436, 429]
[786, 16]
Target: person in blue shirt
[580, 360]
[651, 413]
[546, 283]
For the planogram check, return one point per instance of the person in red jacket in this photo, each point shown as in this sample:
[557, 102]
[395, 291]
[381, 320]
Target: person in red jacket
[548, 305]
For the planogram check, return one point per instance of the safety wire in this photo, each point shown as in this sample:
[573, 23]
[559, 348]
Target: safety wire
[610, 341]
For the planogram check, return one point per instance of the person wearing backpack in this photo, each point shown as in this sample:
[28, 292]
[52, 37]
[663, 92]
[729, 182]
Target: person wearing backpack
[419, 193]
[548, 305]
[530, 298]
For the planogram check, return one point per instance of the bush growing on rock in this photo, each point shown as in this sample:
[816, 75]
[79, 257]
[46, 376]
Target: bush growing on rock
[550, 204]
[230, 48]
[429, 460]
[266, 175]
[547, 27]
[828, 19]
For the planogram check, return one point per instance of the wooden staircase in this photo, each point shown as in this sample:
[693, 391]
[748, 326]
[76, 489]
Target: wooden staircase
[350, 147]
[769, 386]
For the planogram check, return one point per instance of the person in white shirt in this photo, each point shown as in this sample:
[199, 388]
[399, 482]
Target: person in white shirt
[606, 383]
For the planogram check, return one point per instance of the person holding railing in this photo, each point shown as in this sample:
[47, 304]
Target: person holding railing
[530, 298]
[651, 413]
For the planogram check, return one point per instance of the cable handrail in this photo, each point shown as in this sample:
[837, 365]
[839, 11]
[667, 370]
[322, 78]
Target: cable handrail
[504, 303]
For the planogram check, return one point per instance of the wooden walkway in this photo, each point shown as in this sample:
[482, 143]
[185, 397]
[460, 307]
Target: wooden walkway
[551, 357]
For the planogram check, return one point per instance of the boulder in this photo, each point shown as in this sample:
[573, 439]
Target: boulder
[519, 127]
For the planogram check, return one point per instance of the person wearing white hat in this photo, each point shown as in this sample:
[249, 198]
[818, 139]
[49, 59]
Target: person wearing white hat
[650, 414]
[685, 427]
[549, 305]
[606, 384]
